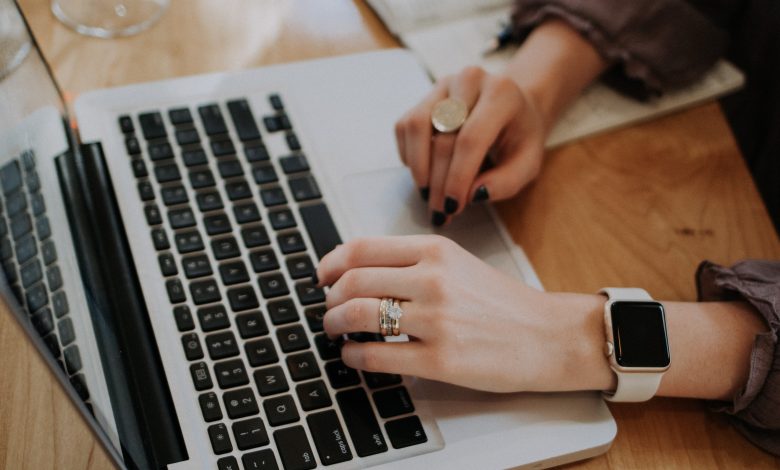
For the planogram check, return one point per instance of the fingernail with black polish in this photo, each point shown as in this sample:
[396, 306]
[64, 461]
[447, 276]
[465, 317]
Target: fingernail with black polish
[450, 205]
[481, 194]
[425, 193]
[438, 218]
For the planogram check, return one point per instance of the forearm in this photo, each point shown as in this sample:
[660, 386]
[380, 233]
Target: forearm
[710, 345]
[554, 64]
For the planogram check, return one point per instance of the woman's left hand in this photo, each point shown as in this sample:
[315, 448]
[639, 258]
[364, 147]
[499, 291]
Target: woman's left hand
[468, 323]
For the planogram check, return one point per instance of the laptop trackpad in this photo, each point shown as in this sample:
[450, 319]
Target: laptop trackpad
[386, 202]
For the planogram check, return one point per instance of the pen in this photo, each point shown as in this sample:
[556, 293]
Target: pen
[504, 37]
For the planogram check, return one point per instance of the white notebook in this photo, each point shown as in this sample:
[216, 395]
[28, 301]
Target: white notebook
[448, 35]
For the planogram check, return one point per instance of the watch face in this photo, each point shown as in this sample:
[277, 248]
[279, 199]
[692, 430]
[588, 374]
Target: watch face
[639, 333]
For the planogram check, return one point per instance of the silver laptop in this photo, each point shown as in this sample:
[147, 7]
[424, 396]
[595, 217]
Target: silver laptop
[158, 247]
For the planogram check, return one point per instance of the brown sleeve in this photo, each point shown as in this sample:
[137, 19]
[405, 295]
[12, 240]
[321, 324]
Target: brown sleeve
[655, 44]
[755, 410]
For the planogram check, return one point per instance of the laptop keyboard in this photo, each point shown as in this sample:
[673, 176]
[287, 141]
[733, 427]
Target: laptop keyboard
[238, 233]
[29, 258]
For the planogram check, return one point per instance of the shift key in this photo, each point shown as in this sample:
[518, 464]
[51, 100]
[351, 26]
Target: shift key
[361, 422]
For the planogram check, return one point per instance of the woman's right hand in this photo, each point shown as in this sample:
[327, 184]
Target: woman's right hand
[504, 122]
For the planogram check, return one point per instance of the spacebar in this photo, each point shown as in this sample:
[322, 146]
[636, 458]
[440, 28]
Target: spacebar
[322, 231]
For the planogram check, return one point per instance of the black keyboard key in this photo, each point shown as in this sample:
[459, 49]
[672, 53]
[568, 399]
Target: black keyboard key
[222, 147]
[173, 195]
[10, 177]
[225, 248]
[294, 448]
[16, 203]
[280, 410]
[132, 146]
[242, 298]
[294, 163]
[192, 348]
[321, 229]
[183, 317]
[276, 102]
[31, 273]
[26, 249]
[328, 348]
[270, 381]
[282, 311]
[250, 433]
[379, 379]
[272, 123]
[329, 437]
[244, 120]
[300, 266]
[126, 124]
[160, 240]
[66, 331]
[227, 463]
[175, 290]
[196, 266]
[233, 273]
[209, 407]
[230, 168]
[152, 125]
[221, 345]
[180, 116]
[231, 373]
[240, 403]
[406, 432]
[264, 174]
[139, 168]
[291, 242]
[200, 376]
[220, 440]
[212, 119]
[201, 178]
[304, 188]
[292, 141]
[153, 216]
[187, 242]
[160, 151]
[313, 395]
[341, 375]
[59, 303]
[80, 385]
[33, 182]
[43, 228]
[54, 276]
[314, 316]
[37, 204]
[260, 460]
[213, 318]
[308, 293]
[303, 366]
[255, 235]
[393, 402]
[53, 345]
[256, 153]
[21, 225]
[292, 338]
[72, 359]
[361, 422]
[217, 224]
[237, 190]
[194, 157]
[209, 201]
[273, 285]
[261, 352]
[273, 197]
[246, 213]
[43, 321]
[181, 218]
[187, 136]
[166, 173]
[36, 297]
[204, 292]
[251, 325]
[263, 260]
[6, 252]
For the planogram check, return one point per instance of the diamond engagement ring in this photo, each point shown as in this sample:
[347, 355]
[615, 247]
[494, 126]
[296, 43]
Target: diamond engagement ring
[390, 313]
[395, 312]
[449, 114]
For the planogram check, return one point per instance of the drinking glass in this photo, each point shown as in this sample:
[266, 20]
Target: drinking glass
[109, 18]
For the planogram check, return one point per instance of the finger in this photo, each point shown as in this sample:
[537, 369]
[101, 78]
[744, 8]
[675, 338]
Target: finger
[442, 147]
[494, 110]
[400, 141]
[395, 251]
[362, 315]
[372, 282]
[407, 358]
[417, 131]
[466, 85]
[508, 176]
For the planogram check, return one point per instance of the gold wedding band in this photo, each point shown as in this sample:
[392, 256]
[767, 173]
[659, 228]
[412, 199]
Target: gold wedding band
[449, 114]
[384, 321]
[390, 313]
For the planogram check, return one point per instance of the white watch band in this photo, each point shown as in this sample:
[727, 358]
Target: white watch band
[631, 386]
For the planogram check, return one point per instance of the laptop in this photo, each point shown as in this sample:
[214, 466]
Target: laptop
[158, 247]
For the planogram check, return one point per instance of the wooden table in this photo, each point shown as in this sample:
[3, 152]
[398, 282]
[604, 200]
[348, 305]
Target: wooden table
[636, 207]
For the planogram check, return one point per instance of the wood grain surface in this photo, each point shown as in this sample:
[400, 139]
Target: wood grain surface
[640, 206]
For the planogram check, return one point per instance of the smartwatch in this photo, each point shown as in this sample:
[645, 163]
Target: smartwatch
[637, 345]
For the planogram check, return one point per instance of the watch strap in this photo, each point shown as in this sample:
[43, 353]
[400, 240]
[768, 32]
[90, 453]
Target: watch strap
[626, 293]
